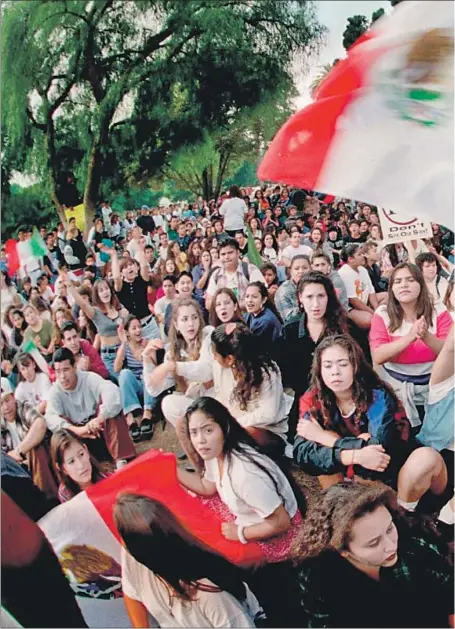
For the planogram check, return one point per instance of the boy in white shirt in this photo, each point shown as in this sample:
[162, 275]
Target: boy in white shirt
[362, 297]
[295, 249]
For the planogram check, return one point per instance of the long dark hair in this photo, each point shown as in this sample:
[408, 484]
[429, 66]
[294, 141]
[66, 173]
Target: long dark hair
[237, 441]
[424, 306]
[157, 540]
[18, 333]
[335, 320]
[213, 317]
[365, 381]
[60, 442]
[96, 301]
[264, 292]
[251, 363]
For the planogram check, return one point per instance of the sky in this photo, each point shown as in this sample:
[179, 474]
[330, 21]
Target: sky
[334, 14]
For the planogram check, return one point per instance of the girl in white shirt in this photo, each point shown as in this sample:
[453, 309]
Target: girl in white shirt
[172, 576]
[260, 503]
[34, 384]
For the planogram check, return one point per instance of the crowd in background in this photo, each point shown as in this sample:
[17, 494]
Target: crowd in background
[273, 330]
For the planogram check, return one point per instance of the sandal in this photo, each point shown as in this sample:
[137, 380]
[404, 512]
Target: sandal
[146, 429]
[135, 432]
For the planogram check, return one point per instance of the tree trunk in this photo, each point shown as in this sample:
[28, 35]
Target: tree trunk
[224, 160]
[49, 140]
[207, 188]
[92, 184]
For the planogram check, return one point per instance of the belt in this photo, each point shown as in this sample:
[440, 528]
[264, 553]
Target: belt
[146, 320]
[421, 379]
[109, 350]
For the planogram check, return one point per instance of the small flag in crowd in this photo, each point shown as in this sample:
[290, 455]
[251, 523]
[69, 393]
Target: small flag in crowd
[381, 127]
[253, 254]
[29, 347]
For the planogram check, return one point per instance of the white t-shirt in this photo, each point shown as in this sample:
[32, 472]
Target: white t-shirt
[33, 392]
[358, 283]
[161, 304]
[233, 211]
[247, 491]
[15, 440]
[302, 250]
[210, 609]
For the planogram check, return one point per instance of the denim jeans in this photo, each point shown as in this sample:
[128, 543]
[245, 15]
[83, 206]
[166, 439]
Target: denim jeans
[108, 355]
[133, 393]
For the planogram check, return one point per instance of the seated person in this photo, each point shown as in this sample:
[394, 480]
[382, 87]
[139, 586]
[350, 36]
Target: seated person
[352, 419]
[286, 295]
[87, 358]
[361, 294]
[88, 406]
[75, 468]
[431, 269]
[320, 262]
[357, 539]
[33, 383]
[23, 433]
[261, 315]
[372, 255]
[168, 574]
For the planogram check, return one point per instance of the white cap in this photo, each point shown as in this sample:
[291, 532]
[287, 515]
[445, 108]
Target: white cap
[7, 389]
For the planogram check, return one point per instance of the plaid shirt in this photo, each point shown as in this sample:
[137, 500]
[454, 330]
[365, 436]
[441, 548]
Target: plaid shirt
[416, 592]
[241, 281]
[25, 416]
[286, 301]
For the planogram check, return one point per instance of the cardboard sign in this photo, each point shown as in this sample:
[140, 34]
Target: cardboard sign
[401, 227]
[78, 213]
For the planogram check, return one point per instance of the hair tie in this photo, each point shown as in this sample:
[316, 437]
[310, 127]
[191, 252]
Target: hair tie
[230, 327]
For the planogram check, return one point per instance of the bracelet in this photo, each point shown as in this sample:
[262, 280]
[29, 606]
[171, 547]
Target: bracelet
[241, 535]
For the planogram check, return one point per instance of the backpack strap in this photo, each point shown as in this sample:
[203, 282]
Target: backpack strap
[246, 270]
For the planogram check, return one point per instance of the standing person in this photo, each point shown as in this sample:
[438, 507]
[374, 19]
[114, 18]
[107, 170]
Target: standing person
[406, 337]
[233, 210]
[75, 468]
[233, 274]
[88, 406]
[137, 403]
[169, 574]
[362, 298]
[357, 540]
[106, 313]
[131, 289]
[286, 295]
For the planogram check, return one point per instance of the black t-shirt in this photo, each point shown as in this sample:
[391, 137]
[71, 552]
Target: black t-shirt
[350, 240]
[133, 297]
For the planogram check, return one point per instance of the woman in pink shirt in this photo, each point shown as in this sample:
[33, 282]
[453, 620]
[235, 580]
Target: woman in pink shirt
[406, 336]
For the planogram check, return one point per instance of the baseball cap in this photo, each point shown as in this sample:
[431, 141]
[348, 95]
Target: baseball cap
[6, 387]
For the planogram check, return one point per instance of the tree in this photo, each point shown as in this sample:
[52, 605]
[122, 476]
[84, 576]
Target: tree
[376, 15]
[357, 25]
[319, 78]
[203, 167]
[121, 85]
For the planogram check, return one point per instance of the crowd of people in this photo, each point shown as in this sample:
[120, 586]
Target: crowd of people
[275, 333]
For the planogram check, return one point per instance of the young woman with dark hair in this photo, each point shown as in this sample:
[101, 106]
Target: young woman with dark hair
[356, 540]
[270, 273]
[33, 383]
[406, 336]
[19, 327]
[173, 576]
[75, 467]
[261, 315]
[137, 403]
[224, 307]
[431, 269]
[245, 379]
[351, 420]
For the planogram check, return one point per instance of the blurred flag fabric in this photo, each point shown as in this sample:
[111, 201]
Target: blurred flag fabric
[29, 347]
[381, 127]
[19, 253]
[253, 254]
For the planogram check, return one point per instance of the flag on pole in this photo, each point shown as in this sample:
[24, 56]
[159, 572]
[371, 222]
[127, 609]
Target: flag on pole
[13, 261]
[253, 254]
[381, 127]
[19, 253]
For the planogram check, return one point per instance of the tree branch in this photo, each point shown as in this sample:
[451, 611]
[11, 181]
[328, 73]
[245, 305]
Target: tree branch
[41, 127]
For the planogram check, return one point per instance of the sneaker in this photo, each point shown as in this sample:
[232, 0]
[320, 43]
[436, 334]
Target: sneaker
[135, 432]
[146, 429]
[120, 463]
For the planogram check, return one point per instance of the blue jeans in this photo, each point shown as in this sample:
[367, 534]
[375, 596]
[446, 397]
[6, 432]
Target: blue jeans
[133, 393]
[108, 355]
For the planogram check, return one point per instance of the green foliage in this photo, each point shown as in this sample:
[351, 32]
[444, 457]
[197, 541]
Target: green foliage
[357, 25]
[377, 14]
[25, 207]
[112, 89]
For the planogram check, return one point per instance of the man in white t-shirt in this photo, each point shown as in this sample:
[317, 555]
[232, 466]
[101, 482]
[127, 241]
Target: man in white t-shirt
[233, 210]
[295, 249]
[233, 273]
[361, 295]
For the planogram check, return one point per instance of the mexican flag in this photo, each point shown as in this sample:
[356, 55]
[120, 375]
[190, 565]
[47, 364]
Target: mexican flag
[380, 129]
[87, 544]
[19, 253]
[29, 347]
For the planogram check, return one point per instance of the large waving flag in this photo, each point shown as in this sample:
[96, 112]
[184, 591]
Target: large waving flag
[84, 538]
[381, 127]
[19, 253]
